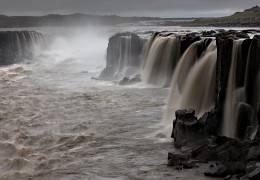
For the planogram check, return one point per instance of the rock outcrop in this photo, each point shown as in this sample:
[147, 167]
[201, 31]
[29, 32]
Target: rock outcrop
[199, 143]
[123, 56]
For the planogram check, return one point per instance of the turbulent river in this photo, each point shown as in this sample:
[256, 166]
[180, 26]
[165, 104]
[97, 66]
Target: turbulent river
[58, 123]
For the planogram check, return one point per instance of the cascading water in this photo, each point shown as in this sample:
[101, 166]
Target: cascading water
[180, 76]
[123, 56]
[125, 60]
[184, 66]
[240, 115]
[200, 87]
[20, 51]
[161, 60]
[18, 45]
[230, 119]
[147, 47]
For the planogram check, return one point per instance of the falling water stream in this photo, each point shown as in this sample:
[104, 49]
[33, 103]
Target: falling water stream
[162, 57]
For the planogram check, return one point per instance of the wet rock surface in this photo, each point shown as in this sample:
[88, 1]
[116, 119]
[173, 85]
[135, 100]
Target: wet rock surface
[129, 81]
[181, 161]
[246, 77]
[188, 130]
[234, 158]
[123, 51]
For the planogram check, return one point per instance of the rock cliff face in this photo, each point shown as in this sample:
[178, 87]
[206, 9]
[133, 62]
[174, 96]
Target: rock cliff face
[123, 56]
[245, 85]
[16, 46]
[230, 131]
[236, 73]
[235, 115]
[128, 53]
[224, 47]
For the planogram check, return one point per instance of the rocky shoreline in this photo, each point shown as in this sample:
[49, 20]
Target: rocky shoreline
[198, 142]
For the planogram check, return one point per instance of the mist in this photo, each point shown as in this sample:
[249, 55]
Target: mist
[72, 57]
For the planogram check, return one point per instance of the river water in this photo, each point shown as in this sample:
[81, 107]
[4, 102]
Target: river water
[58, 123]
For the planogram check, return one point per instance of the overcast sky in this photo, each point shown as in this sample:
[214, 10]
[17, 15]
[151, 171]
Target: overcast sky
[160, 8]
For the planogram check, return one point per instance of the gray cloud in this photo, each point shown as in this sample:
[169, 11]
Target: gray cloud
[163, 8]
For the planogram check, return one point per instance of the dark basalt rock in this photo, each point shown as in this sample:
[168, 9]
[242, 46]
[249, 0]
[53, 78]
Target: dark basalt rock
[250, 54]
[224, 54]
[181, 161]
[188, 130]
[120, 57]
[253, 153]
[217, 171]
[211, 33]
[177, 159]
[222, 149]
[199, 138]
[252, 89]
[254, 175]
[252, 31]
[129, 81]
[124, 81]
[187, 40]
[238, 157]
[227, 170]
[251, 166]
[233, 34]
[189, 164]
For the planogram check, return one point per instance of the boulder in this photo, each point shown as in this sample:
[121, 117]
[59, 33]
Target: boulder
[255, 175]
[217, 171]
[181, 161]
[226, 169]
[129, 81]
[251, 166]
[253, 153]
[187, 40]
[189, 164]
[124, 81]
[176, 159]
[210, 33]
[188, 130]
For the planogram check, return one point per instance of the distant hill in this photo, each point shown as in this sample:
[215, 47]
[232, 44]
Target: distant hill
[67, 20]
[247, 18]
[253, 9]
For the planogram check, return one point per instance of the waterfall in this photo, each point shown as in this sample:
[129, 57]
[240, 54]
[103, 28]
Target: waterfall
[162, 57]
[18, 45]
[200, 87]
[193, 82]
[230, 121]
[25, 45]
[123, 56]
[147, 47]
[240, 113]
[124, 45]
